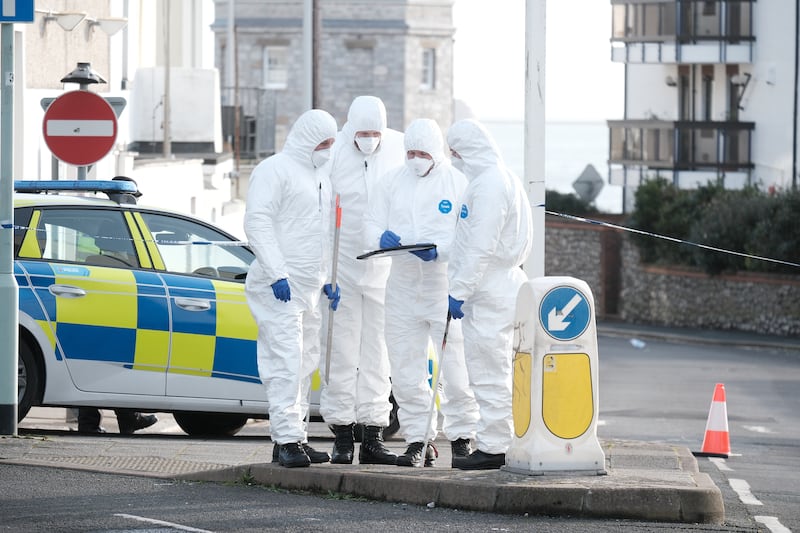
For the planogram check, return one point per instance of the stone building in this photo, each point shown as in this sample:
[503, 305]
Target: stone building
[398, 50]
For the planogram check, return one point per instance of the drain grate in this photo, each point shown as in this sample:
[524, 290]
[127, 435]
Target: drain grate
[155, 465]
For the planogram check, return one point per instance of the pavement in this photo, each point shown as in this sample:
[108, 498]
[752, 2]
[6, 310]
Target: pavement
[647, 481]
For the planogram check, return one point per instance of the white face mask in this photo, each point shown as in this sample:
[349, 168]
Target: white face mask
[458, 163]
[320, 157]
[419, 166]
[367, 145]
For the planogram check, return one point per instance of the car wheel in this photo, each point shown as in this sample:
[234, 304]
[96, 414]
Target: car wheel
[210, 424]
[28, 380]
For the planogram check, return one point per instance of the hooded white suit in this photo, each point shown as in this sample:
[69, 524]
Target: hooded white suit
[493, 238]
[423, 209]
[358, 388]
[287, 223]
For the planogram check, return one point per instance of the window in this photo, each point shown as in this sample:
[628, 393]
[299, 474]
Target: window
[428, 69]
[95, 237]
[174, 237]
[275, 67]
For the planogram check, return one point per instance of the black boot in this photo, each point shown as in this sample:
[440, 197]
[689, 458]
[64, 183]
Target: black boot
[372, 450]
[343, 445]
[479, 460]
[292, 455]
[316, 457]
[89, 420]
[130, 421]
[459, 448]
[413, 455]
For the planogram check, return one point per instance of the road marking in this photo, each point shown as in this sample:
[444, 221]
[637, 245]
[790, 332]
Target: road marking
[162, 523]
[601, 422]
[741, 488]
[720, 464]
[758, 429]
[773, 524]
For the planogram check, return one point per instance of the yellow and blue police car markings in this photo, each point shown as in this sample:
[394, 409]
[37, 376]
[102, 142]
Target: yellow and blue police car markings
[138, 243]
[193, 322]
[100, 326]
[193, 332]
[72, 336]
[152, 322]
[110, 298]
[235, 350]
[39, 278]
[198, 348]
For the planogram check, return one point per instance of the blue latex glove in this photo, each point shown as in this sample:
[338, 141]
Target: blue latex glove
[455, 307]
[390, 239]
[427, 255]
[333, 295]
[281, 290]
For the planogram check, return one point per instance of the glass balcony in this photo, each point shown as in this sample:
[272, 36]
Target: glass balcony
[681, 145]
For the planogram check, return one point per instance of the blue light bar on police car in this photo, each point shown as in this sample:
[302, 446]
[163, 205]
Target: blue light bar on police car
[105, 186]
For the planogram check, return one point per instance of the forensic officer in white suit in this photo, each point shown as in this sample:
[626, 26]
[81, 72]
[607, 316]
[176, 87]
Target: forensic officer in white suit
[417, 203]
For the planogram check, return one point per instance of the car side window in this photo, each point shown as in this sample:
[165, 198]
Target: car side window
[189, 247]
[88, 236]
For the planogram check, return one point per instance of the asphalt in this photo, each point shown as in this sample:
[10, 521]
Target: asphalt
[644, 480]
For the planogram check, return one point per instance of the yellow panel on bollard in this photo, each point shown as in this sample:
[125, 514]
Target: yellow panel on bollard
[555, 380]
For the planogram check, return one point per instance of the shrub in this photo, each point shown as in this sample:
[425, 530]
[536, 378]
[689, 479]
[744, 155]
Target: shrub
[776, 235]
[747, 221]
[569, 204]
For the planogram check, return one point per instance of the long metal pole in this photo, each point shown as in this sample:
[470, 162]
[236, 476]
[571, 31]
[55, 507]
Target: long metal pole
[435, 387]
[535, 13]
[308, 54]
[334, 269]
[316, 43]
[9, 297]
[167, 145]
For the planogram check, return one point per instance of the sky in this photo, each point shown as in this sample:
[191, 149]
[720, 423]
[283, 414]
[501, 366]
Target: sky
[581, 82]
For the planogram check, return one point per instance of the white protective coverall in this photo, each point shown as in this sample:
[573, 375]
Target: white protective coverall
[423, 209]
[358, 388]
[493, 238]
[287, 223]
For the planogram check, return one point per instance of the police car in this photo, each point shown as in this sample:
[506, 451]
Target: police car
[123, 306]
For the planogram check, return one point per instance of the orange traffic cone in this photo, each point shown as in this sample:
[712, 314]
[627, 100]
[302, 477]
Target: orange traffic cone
[716, 442]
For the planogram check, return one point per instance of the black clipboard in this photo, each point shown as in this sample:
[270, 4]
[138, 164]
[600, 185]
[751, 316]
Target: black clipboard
[395, 250]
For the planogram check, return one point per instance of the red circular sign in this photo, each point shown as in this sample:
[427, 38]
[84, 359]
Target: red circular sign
[80, 127]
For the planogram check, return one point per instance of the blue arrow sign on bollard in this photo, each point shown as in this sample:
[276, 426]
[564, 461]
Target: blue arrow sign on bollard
[564, 313]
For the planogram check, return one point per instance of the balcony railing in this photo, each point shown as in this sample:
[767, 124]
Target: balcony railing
[681, 145]
[671, 30]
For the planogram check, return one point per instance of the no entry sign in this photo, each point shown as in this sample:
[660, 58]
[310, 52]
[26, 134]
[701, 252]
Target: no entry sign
[80, 127]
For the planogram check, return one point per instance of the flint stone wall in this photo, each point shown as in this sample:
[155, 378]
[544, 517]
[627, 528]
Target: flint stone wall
[627, 290]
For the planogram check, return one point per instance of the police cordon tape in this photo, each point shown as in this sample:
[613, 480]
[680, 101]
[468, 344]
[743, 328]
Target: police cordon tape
[6, 225]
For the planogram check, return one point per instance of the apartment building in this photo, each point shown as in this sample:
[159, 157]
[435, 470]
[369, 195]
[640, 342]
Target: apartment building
[711, 93]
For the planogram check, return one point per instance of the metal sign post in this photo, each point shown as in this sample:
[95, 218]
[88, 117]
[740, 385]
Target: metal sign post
[9, 291]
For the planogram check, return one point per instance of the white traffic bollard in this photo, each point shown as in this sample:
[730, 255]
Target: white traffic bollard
[555, 380]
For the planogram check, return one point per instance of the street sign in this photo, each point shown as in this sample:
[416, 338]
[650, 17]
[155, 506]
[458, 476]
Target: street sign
[16, 11]
[589, 184]
[80, 127]
[564, 313]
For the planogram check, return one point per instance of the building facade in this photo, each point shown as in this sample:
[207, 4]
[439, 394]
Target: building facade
[398, 50]
[711, 93]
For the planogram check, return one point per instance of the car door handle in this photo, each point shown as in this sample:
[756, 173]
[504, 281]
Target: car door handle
[66, 291]
[193, 304]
